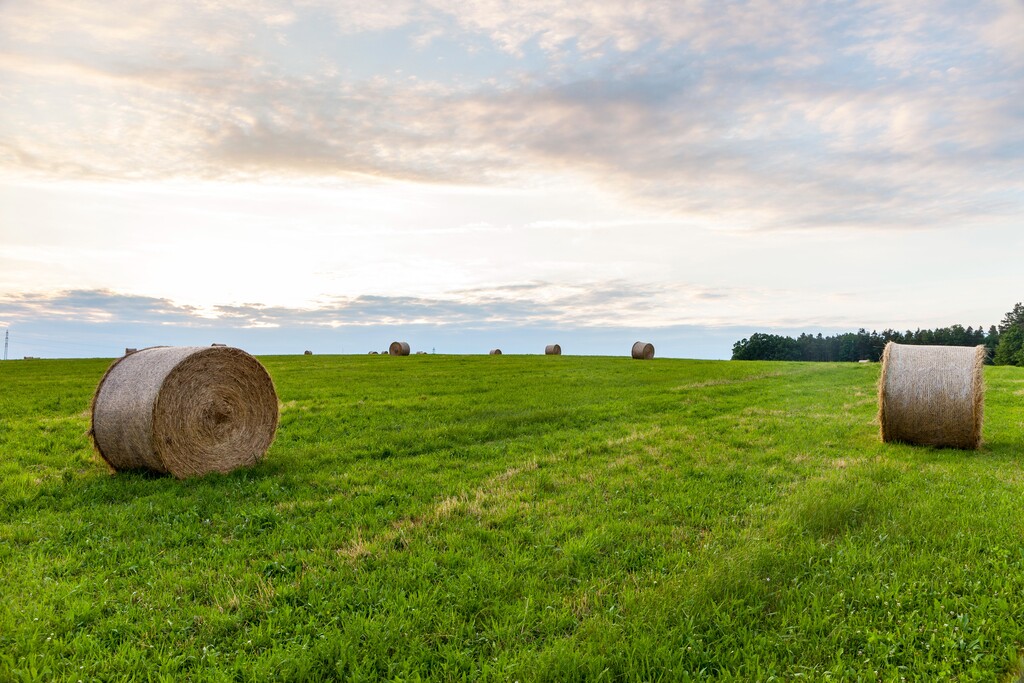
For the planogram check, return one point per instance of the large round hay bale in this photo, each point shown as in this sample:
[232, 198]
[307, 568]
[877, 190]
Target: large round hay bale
[398, 349]
[184, 410]
[553, 350]
[643, 350]
[307, 352]
[495, 352]
[932, 395]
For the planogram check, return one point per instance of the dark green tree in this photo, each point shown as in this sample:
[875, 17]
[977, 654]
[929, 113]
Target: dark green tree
[1014, 317]
[1010, 350]
[992, 341]
[766, 347]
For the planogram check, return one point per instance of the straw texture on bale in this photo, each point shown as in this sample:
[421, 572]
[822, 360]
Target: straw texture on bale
[495, 352]
[184, 410]
[398, 349]
[553, 350]
[643, 350]
[932, 395]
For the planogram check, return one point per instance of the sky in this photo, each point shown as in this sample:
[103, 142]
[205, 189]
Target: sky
[333, 176]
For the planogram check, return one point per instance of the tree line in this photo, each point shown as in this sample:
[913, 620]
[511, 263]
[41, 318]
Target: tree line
[1005, 342]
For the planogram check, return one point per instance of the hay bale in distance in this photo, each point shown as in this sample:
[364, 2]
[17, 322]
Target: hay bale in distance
[495, 352]
[129, 351]
[307, 352]
[553, 350]
[932, 395]
[643, 350]
[184, 410]
[217, 344]
[420, 353]
[374, 353]
[398, 349]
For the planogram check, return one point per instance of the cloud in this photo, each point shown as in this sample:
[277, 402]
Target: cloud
[94, 306]
[582, 305]
[746, 114]
[1004, 29]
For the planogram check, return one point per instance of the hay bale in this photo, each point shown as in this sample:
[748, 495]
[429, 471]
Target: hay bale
[129, 351]
[643, 350]
[217, 344]
[495, 352]
[307, 352]
[374, 353]
[932, 395]
[185, 410]
[420, 353]
[553, 350]
[398, 349]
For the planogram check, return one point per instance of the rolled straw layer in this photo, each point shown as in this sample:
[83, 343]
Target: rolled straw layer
[185, 411]
[932, 395]
[643, 351]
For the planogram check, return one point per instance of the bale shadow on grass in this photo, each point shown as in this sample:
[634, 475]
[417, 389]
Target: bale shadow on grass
[128, 485]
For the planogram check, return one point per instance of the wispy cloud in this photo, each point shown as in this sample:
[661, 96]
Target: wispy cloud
[749, 114]
[590, 305]
[94, 306]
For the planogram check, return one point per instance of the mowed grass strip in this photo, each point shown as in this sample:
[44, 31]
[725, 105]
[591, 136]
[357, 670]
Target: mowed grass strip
[530, 518]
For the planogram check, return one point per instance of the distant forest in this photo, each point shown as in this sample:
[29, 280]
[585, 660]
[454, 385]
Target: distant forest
[1005, 342]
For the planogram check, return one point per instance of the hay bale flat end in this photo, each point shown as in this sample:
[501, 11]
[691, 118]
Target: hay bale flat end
[932, 395]
[184, 411]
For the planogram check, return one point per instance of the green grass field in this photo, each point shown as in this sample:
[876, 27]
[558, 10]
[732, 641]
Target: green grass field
[519, 518]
